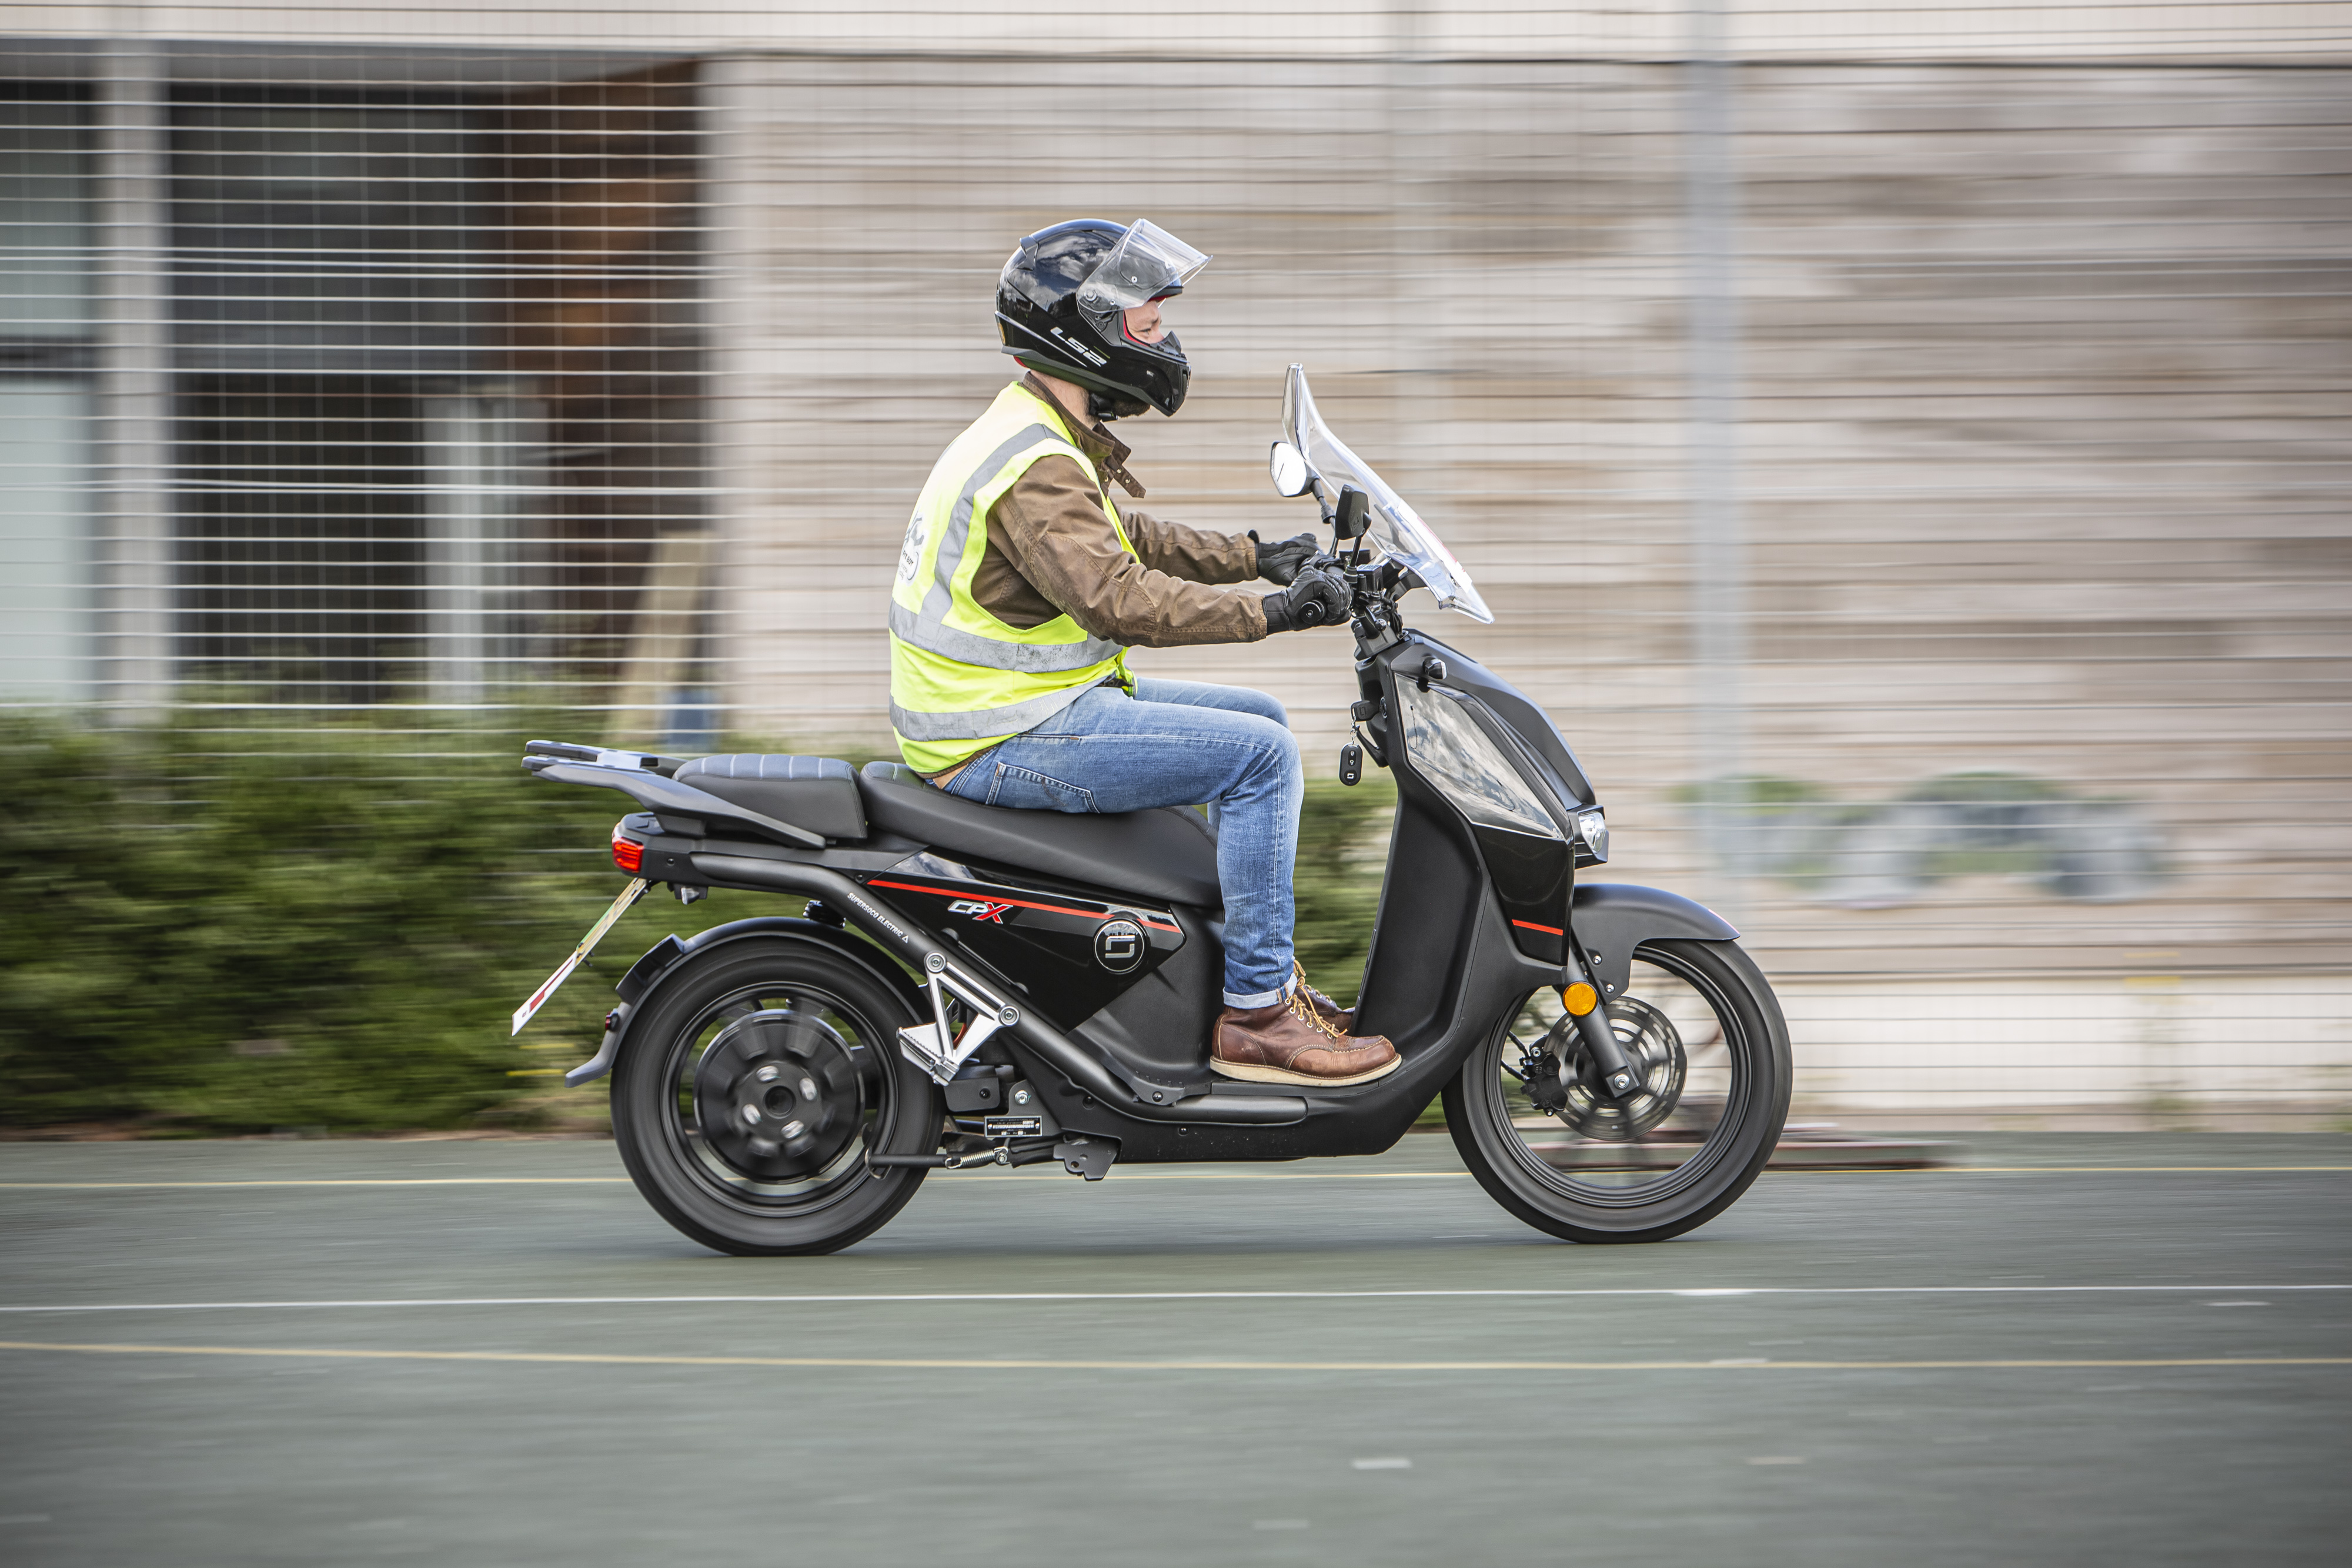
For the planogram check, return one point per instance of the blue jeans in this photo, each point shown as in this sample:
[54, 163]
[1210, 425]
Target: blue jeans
[1177, 743]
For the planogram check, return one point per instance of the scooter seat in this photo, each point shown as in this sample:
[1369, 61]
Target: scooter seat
[1165, 853]
[819, 793]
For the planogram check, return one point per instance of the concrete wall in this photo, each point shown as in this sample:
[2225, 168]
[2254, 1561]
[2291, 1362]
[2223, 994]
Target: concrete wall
[2122, 1052]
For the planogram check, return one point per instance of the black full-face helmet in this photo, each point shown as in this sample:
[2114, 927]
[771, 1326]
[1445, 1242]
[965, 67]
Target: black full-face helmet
[1062, 304]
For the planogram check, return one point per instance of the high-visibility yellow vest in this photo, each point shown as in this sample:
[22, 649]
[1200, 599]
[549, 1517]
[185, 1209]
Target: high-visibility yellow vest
[962, 680]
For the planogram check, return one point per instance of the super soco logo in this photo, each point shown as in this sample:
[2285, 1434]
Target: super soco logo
[1119, 945]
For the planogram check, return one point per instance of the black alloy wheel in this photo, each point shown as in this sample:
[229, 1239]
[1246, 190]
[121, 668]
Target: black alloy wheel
[756, 1080]
[1702, 1027]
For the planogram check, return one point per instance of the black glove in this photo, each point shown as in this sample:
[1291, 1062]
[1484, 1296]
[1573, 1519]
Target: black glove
[1318, 596]
[1280, 562]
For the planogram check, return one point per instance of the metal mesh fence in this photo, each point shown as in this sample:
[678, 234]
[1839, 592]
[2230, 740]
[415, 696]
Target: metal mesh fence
[343, 388]
[1906, 448]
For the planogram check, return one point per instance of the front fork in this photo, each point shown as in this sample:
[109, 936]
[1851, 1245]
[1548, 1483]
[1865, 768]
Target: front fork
[1609, 1057]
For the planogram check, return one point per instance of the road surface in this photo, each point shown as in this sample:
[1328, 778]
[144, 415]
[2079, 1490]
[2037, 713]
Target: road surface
[2074, 1349]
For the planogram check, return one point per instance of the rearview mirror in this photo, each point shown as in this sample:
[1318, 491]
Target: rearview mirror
[1290, 467]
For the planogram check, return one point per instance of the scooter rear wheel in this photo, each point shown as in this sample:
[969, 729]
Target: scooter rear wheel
[756, 1080]
[1700, 1022]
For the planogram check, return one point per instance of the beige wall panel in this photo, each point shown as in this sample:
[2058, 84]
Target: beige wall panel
[2045, 434]
[1808, 29]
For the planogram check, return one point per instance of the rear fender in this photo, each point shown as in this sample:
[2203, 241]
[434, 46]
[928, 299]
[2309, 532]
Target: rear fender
[666, 954]
[1610, 919]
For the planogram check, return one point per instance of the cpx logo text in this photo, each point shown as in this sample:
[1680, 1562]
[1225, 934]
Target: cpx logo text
[979, 909]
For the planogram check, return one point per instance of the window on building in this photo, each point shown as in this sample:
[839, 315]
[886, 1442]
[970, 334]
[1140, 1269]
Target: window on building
[316, 395]
[324, 279]
[47, 332]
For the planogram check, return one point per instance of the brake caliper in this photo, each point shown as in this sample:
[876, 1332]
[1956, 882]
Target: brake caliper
[1540, 1074]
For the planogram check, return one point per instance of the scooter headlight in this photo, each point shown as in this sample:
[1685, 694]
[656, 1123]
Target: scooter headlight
[1593, 829]
[1453, 754]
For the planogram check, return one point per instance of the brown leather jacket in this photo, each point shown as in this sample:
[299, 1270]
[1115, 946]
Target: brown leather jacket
[1052, 550]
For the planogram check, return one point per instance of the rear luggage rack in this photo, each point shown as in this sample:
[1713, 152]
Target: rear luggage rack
[648, 781]
[537, 754]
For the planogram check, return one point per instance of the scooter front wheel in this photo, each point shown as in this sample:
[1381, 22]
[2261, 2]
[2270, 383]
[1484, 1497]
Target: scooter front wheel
[1701, 1026]
[756, 1080]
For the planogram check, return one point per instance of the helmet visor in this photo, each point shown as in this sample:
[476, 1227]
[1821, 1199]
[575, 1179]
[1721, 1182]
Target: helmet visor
[1147, 264]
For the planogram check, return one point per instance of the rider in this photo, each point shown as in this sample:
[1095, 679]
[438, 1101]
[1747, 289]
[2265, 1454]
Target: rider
[1009, 683]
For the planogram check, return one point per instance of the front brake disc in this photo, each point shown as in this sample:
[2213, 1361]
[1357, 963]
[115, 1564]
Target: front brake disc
[777, 1094]
[1654, 1050]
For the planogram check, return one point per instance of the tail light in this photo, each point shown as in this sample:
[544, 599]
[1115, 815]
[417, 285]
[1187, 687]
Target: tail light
[627, 853]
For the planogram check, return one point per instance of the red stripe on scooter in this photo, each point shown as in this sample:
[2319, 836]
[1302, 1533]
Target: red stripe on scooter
[1531, 926]
[1015, 903]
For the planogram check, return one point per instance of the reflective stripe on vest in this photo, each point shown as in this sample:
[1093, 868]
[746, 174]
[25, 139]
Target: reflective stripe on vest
[969, 648]
[959, 674]
[988, 723]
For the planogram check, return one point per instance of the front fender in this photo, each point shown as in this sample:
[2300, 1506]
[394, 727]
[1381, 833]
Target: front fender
[1610, 919]
[673, 950]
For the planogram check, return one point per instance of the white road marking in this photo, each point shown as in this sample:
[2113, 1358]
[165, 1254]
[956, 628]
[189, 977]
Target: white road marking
[952, 1297]
[1513, 1368]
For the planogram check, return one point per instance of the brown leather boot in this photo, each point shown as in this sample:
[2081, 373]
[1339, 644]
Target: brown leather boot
[1290, 1043]
[1341, 1019]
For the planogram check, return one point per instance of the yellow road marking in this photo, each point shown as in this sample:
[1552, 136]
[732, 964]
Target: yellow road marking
[940, 1363]
[2042, 1170]
[1125, 1175]
[353, 1181]
[623, 1181]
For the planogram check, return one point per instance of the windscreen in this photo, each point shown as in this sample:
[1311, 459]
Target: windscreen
[1394, 527]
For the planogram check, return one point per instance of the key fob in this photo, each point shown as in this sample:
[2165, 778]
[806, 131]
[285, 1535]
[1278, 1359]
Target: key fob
[1351, 763]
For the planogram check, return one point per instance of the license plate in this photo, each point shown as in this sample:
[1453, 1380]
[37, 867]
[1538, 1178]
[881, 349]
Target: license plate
[629, 894]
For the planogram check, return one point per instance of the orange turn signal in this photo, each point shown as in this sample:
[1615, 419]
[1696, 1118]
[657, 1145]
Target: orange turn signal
[1580, 998]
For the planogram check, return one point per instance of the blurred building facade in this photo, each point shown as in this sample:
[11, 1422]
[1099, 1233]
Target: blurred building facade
[1908, 448]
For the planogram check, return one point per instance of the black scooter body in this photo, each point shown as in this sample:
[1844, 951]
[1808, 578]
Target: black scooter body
[1116, 971]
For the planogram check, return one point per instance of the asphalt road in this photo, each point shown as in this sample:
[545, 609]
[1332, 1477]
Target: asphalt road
[2098, 1350]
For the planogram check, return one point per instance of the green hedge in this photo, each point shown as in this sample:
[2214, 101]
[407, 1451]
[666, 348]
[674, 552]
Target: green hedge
[201, 934]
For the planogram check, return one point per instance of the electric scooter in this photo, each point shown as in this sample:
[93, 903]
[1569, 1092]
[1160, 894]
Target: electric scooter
[972, 984]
